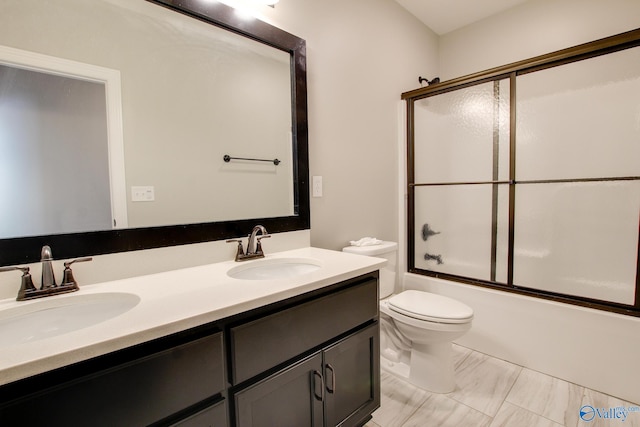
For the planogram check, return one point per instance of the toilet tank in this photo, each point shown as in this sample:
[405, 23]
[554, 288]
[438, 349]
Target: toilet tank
[387, 250]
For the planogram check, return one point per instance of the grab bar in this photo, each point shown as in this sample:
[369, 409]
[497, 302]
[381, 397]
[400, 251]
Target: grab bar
[227, 158]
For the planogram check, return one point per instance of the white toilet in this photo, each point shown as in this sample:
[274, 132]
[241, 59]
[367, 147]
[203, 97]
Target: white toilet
[416, 327]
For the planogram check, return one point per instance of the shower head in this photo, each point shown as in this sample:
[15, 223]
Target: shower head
[429, 82]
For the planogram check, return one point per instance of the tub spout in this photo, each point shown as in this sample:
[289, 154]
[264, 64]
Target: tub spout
[436, 258]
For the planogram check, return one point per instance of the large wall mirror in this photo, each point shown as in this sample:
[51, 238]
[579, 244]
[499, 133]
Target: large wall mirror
[116, 117]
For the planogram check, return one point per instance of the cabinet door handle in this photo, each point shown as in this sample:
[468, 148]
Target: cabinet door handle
[313, 384]
[333, 379]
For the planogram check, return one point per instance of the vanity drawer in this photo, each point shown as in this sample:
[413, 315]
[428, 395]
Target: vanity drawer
[139, 392]
[213, 416]
[268, 341]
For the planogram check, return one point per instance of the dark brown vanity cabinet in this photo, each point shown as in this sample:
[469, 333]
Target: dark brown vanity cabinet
[172, 381]
[331, 375]
[336, 386]
[311, 360]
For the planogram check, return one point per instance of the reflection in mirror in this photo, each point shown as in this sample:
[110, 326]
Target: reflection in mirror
[192, 93]
[61, 163]
[186, 103]
[49, 154]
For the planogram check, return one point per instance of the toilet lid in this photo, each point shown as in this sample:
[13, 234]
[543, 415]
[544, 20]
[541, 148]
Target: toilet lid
[430, 307]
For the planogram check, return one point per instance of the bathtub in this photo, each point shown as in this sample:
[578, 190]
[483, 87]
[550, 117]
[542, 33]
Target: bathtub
[592, 348]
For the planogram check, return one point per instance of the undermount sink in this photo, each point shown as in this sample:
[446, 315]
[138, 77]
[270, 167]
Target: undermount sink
[54, 316]
[276, 268]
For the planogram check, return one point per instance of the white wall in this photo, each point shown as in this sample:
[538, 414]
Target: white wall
[361, 55]
[592, 348]
[533, 28]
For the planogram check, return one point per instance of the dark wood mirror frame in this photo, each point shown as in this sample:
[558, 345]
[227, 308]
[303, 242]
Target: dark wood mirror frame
[27, 249]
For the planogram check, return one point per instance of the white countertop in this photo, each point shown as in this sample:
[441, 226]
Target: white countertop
[171, 302]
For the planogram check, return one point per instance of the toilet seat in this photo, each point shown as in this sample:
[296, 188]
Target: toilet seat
[430, 307]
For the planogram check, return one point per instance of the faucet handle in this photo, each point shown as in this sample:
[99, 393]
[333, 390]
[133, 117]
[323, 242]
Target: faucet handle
[259, 244]
[24, 270]
[239, 241]
[67, 274]
[240, 251]
[26, 284]
[85, 259]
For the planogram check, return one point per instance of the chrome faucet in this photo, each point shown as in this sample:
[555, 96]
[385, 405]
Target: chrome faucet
[254, 246]
[48, 286]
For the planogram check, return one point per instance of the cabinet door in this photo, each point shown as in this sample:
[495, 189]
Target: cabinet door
[352, 378]
[289, 398]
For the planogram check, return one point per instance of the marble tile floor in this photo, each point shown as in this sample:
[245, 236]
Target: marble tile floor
[494, 393]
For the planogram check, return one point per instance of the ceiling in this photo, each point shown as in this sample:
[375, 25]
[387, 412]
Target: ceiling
[443, 16]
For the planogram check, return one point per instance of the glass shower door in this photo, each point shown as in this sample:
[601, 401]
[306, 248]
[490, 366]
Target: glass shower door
[577, 163]
[460, 181]
[526, 177]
